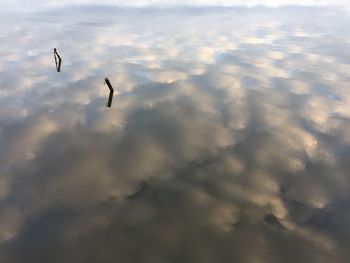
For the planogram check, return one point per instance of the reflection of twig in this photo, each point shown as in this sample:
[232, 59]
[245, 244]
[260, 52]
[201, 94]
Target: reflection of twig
[111, 90]
[56, 55]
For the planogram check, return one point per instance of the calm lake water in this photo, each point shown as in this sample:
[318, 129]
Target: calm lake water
[228, 139]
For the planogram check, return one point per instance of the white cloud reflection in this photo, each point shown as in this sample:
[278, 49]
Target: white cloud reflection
[226, 141]
[23, 5]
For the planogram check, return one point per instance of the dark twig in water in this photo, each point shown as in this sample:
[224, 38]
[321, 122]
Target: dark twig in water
[57, 56]
[111, 90]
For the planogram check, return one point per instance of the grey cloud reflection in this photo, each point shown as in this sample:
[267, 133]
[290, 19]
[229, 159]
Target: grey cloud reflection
[228, 144]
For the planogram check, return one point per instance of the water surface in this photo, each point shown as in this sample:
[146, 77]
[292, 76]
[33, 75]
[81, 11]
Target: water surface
[227, 140]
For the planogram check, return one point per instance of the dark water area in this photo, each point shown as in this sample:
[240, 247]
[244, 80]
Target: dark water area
[228, 139]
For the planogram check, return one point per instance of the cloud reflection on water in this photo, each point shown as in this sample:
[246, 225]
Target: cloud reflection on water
[227, 139]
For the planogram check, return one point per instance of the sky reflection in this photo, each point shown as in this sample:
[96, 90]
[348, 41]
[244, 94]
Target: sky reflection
[227, 141]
